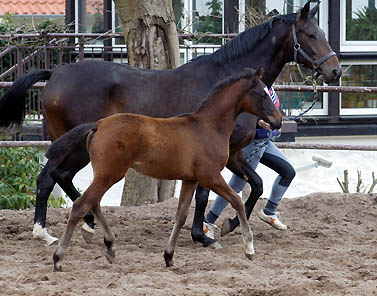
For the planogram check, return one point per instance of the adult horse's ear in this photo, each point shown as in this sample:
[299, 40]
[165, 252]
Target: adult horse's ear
[304, 12]
[314, 11]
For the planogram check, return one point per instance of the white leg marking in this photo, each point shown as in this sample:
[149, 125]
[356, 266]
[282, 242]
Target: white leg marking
[41, 234]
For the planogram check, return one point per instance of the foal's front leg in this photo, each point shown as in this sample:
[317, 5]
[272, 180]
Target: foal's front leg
[185, 197]
[223, 189]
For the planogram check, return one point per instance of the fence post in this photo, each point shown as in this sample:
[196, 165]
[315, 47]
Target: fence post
[20, 71]
[81, 48]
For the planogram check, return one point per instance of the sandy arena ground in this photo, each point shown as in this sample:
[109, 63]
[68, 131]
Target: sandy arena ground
[330, 248]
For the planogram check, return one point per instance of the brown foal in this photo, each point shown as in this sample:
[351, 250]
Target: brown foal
[193, 148]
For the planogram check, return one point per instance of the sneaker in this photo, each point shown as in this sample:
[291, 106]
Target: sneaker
[273, 220]
[209, 230]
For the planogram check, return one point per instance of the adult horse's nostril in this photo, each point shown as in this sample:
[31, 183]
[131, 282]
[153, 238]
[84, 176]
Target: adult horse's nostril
[337, 73]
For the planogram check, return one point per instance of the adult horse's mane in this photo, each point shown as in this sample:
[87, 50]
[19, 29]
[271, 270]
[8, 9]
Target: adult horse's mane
[244, 42]
[247, 73]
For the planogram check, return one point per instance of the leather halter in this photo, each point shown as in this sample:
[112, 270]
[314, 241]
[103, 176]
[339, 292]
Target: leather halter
[297, 49]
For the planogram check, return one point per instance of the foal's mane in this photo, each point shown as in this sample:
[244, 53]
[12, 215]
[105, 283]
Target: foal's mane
[248, 73]
[244, 42]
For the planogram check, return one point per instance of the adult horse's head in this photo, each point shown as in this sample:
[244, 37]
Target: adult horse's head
[311, 48]
[257, 101]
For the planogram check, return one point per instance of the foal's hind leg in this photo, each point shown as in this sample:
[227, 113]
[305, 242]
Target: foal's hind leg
[109, 237]
[184, 202]
[81, 206]
[64, 178]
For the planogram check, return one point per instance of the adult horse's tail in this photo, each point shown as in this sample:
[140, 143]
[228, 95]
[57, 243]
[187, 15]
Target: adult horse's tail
[12, 104]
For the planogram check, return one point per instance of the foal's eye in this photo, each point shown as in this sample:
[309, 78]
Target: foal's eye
[311, 36]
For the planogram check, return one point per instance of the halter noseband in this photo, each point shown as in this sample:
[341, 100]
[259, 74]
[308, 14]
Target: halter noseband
[297, 49]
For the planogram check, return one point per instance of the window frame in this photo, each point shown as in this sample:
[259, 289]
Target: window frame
[356, 111]
[352, 46]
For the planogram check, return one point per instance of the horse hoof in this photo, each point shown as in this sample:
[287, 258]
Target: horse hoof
[41, 234]
[168, 259]
[249, 256]
[216, 246]
[57, 263]
[226, 227]
[87, 233]
[169, 263]
[58, 269]
[110, 258]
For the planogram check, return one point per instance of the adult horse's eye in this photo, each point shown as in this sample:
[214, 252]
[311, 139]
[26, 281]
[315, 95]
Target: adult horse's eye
[311, 36]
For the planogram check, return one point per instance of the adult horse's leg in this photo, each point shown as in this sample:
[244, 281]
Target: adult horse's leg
[239, 166]
[197, 234]
[46, 180]
[45, 185]
[184, 202]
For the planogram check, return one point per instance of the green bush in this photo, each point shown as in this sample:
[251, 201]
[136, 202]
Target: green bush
[19, 168]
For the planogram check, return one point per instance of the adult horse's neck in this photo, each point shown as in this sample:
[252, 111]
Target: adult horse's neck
[271, 53]
[221, 108]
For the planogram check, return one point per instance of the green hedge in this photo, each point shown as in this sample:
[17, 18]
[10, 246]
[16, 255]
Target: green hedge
[19, 168]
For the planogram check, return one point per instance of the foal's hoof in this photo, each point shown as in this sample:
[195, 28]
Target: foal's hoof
[110, 256]
[226, 227]
[168, 259]
[57, 268]
[57, 263]
[249, 256]
[87, 233]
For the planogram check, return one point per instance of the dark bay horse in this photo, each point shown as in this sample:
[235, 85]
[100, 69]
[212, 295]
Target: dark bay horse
[88, 91]
[193, 148]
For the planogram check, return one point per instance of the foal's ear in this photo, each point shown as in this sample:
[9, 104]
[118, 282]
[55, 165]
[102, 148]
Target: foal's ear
[314, 11]
[258, 75]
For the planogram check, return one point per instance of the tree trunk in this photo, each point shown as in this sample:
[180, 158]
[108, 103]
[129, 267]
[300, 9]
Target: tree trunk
[152, 43]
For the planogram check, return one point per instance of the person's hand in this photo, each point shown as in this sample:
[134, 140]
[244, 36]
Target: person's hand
[264, 124]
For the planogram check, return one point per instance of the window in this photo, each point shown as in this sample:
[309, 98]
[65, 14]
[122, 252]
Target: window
[358, 25]
[89, 17]
[207, 17]
[200, 16]
[293, 103]
[359, 74]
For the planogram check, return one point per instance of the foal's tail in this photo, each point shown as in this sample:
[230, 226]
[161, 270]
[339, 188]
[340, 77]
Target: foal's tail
[89, 138]
[12, 103]
[72, 142]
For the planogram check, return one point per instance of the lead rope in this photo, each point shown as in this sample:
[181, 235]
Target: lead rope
[314, 98]
[266, 141]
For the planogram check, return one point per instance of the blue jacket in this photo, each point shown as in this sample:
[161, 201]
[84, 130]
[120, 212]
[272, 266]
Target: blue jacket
[262, 133]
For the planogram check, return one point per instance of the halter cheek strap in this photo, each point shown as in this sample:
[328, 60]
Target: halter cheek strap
[297, 49]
